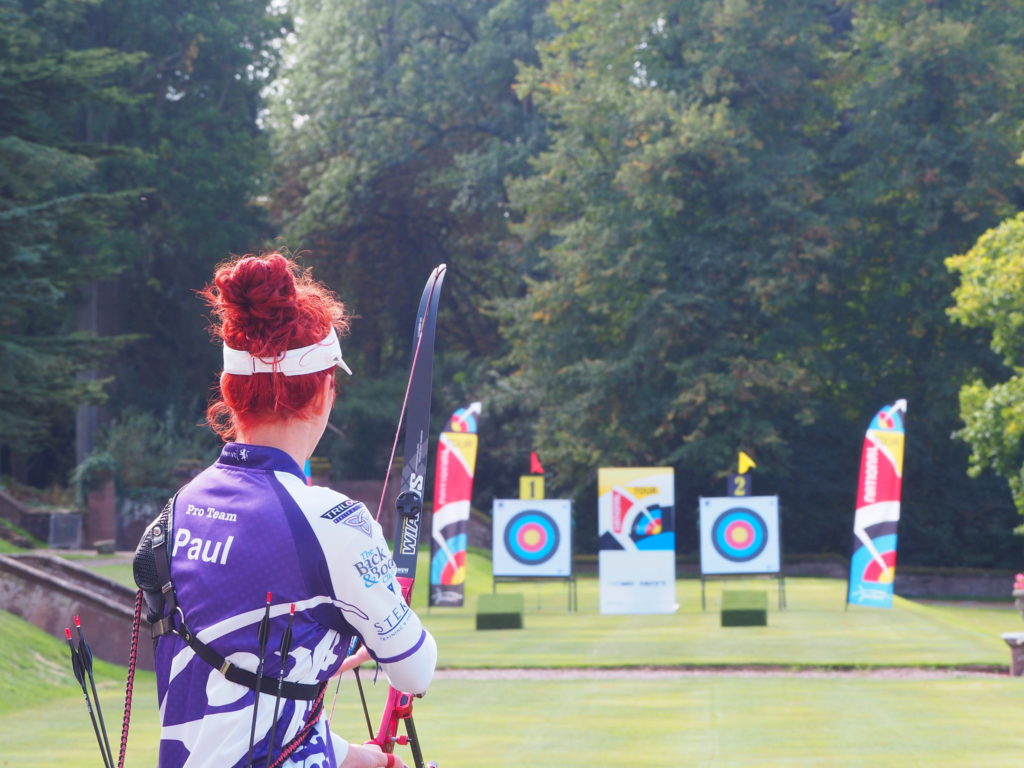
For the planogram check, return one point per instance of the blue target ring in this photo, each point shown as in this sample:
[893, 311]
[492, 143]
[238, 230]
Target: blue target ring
[531, 537]
[739, 534]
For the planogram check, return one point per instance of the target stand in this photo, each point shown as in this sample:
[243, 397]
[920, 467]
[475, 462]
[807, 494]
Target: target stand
[532, 541]
[739, 538]
[781, 582]
[570, 582]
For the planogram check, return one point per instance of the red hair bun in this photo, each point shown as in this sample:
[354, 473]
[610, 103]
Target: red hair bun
[266, 305]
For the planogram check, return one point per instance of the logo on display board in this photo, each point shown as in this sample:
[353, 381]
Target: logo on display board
[448, 565]
[648, 526]
[878, 567]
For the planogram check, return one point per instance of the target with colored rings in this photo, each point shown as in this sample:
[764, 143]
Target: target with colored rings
[531, 537]
[739, 534]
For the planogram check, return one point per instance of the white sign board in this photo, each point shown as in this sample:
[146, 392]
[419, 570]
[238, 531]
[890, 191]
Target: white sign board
[637, 540]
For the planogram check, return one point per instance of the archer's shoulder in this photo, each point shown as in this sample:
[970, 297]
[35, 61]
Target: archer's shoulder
[325, 505]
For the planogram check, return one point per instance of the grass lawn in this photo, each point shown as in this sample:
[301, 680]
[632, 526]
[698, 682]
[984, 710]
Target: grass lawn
[813, 630]
[703, 719]
[696, 721]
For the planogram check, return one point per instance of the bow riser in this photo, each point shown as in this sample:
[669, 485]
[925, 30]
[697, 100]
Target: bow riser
[417, 429]
[409, 504]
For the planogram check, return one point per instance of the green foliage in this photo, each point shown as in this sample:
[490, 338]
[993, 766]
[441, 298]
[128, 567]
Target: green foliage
[146, 456]
[736, 240]
[678, 232]
[394, 127]
[991, 296]
[55, 210]
[91, 473]
[130, 165]
[675, 228]
[203, 157]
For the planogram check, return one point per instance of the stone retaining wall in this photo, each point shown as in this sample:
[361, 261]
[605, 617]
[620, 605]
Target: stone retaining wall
[47, 592]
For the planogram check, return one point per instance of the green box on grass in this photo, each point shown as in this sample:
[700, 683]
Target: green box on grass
[744, 608]
[499, 611]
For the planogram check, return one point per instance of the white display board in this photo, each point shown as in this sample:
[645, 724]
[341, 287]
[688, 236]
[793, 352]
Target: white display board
[532, 537]
[739, 534]
[637, 541]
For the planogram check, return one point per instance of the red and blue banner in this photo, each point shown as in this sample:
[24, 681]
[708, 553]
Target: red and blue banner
[453, 489]
[873, 563]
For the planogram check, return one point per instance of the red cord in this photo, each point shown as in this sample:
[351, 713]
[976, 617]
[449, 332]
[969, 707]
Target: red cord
[311, 720]
[130, 684]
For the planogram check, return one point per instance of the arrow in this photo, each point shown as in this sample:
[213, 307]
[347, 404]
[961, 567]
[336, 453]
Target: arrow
[78, 668]
[284, 650]
[264, 632]
[85, 653]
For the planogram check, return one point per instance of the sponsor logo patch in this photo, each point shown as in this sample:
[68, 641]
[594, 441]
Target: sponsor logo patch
[393, 622]
[375, 566]
[353, 514]
[360, 520]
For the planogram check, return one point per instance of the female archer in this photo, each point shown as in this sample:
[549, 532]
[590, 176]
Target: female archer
[256, 555]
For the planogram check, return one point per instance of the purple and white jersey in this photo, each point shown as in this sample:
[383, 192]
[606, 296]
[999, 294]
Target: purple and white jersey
[246, 526]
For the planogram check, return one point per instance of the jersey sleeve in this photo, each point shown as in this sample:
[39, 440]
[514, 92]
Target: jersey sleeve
[362, 582]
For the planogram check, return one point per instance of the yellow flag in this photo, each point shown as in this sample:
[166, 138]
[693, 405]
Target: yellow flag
[745, 463]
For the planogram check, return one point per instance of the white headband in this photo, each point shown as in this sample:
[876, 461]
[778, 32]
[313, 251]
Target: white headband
[295, 362]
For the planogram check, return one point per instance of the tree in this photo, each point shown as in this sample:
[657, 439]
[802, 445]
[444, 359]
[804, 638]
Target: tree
[395, 125]
[201, 153]
[991, 295]
[678, 229]
[134, 164]
[929, 100]
[56, 210]
[737, 239]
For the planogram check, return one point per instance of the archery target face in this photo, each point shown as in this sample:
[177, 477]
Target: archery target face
[531, 537]
[739, 535]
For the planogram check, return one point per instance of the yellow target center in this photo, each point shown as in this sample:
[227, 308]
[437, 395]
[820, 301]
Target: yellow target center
[740, 536]
[531, 538]
[459, 576]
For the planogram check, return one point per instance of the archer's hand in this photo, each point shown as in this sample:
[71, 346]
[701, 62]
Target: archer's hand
[370, 756]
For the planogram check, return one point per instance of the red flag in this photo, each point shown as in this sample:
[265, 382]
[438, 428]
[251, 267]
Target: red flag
[535, 466]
